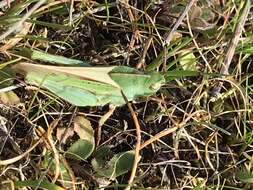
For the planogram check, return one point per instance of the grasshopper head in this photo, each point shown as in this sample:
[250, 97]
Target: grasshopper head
[155, 82]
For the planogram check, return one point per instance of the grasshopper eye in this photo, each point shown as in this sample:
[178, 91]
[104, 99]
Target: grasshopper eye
[155, 86]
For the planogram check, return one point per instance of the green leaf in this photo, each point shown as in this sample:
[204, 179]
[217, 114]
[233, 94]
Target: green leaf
[82, 148]
[19, 7]
[119, 164]
[5, 64]
[187, 60]
[172, 50]
[37, 184]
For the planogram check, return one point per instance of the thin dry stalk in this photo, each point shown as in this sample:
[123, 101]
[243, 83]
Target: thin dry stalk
[232, 46]
[197, 46]
[69, 125]
[169, 130]
[168, 37]
[178, 22]
[141, 62]
[137, 145]
[71, 10]
[158, 136]
[70, 172]
[206, 149]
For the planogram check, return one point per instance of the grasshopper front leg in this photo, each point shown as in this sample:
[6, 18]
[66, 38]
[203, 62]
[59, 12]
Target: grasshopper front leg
[102, 121]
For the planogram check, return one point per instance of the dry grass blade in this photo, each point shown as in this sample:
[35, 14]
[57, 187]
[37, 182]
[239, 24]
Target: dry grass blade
[55, 151]
[19, 157]
[209, 140]
[102, 121]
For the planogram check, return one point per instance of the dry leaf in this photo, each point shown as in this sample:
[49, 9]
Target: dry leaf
[82, 127]
[62, 133]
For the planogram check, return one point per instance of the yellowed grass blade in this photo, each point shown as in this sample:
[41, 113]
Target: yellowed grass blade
[13, 41]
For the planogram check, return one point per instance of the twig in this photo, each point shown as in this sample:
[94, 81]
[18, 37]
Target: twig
[137, 145]
[232, 46]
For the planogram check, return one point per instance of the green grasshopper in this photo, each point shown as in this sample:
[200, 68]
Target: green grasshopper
[92, 86]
